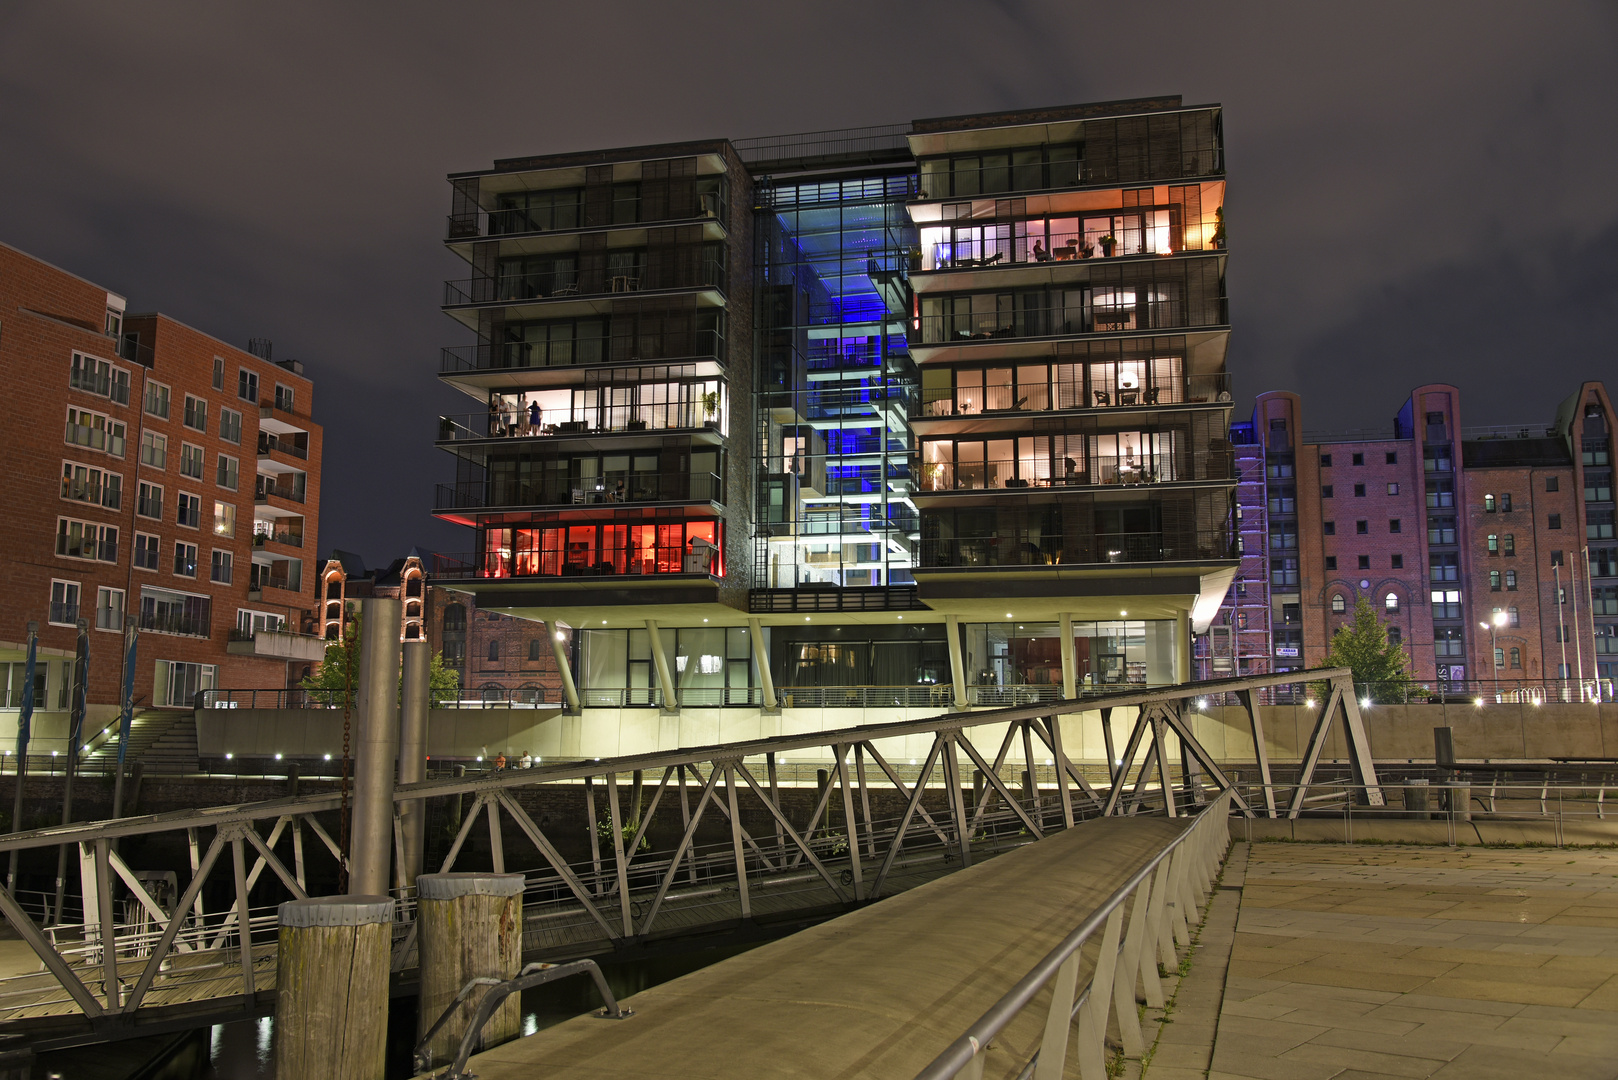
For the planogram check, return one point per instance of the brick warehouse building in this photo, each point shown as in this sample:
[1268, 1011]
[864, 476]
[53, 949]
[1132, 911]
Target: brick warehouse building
[1489, 552]
[154, 471]
[498, 657]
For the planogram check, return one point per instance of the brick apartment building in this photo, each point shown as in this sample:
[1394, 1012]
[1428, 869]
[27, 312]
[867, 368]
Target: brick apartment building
[497, 656]
[156, 472]
[1489, 552]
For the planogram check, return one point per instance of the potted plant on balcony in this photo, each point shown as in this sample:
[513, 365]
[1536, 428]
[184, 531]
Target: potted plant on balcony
[710, 408]
[1107, 243]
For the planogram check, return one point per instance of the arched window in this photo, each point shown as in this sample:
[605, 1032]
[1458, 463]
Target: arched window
[1513, 618]
[1338, 603]
[1395, 635]
[1488, 504]
[1516, 657]
[494, 649]
[1391, 602]
[1499, 658]
[455, 618]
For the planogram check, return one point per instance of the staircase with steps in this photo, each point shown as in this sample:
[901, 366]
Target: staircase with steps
[165, 741]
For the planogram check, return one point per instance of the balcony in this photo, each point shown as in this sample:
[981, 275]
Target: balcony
[186, 624]
[1098, 391]
[1101, 548]
[693, 347]
[1055, 248]
[276, 645]
[263, 492]
[1099, 471]
[569, 284]
[297, 447]
[1146, 314]
[668, 563]
[610, 490]
[277, 536]
[565, 216]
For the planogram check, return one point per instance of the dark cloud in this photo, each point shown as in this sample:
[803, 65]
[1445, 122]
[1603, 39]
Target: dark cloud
[1420, 191]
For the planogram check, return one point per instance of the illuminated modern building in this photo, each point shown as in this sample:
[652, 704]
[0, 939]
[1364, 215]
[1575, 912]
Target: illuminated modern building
[927, 414]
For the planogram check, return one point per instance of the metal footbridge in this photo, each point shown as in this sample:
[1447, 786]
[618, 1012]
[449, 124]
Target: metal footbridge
[174, 922]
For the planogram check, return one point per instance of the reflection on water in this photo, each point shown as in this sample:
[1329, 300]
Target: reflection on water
[245, 1049]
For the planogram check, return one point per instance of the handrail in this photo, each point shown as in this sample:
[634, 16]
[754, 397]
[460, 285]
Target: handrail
[975, 1040]
[531, 976]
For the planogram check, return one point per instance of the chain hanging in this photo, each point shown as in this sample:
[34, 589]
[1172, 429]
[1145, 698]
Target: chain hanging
[348, 708]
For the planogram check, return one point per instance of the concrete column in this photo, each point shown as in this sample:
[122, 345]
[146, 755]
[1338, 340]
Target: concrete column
[761, 657]
[377, 747]
[660, 660]
[471, 928]
[414, 702]
[957, 666]
[1070, 659]
[1182, 646]
[331, 981]
[570, 690]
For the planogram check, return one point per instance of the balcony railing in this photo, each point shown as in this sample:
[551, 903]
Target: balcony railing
[175, 623]
[263, 492]
[64, 614]
[1056, 322]
[268, 444]
[1013, 549]
[1004, 397]
[278, 536]
[551, 565]
[993, 251]
[520, 221]
[622, 419]
[566, 284]
[614, 489]
[695, 346]
[1003, 474]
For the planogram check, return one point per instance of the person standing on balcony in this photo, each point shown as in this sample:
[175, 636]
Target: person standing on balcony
[533, 418]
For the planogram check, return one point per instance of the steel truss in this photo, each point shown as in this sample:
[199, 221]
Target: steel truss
[180, 959]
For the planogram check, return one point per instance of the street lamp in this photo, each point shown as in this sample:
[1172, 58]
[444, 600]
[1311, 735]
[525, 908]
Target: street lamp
[1492, 626]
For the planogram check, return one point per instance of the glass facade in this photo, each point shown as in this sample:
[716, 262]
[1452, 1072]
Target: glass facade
[835, 383]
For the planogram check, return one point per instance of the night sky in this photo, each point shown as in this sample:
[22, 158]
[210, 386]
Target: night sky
[1419, 191]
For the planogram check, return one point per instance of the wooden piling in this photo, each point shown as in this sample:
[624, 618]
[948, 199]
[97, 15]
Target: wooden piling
[331, 1006]
[471, 927]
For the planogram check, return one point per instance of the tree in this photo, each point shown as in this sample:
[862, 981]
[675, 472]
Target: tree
[444, 684]
[1381, 668]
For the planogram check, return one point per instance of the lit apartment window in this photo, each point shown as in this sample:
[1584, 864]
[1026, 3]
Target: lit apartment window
[176, 685]
[157, 400]
[1494, 544]
[1390, 603]
[224, 519]
[1494, 581]
[86, 540]
[88, 484]
[1488, 504]
[1338, 603]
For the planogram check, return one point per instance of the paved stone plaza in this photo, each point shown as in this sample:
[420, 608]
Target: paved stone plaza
[1352, 962]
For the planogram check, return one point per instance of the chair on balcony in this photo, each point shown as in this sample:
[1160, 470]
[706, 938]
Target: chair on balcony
[1152, 394]
[1103, 399]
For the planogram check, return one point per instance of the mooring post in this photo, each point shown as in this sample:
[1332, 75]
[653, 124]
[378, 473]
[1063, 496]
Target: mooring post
[471, 928]
[331, 981]
[415, 699]
[377, 745]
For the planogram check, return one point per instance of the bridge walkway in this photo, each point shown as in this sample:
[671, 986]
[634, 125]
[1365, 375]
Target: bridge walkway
[877, 992]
